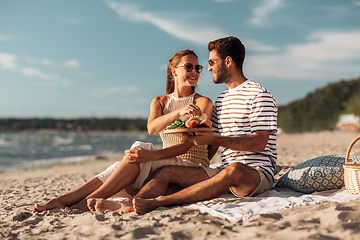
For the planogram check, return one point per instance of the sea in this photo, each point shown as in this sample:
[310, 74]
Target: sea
[25, 150]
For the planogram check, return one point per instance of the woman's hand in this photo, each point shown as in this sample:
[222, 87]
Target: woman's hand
[190, 109]
[139, 155]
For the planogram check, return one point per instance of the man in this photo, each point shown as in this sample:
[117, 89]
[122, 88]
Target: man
[245, 118]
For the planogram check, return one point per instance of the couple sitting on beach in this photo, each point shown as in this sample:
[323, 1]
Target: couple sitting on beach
[245, 121]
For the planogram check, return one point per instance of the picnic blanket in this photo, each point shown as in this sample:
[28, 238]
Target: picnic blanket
[272, 201]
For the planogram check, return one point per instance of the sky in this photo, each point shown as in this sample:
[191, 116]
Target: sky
[88, 58]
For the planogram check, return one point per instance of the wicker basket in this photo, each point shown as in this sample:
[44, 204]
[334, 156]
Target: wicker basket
[352, 172]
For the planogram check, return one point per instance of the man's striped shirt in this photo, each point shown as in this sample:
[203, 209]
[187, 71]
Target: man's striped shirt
[242, 111]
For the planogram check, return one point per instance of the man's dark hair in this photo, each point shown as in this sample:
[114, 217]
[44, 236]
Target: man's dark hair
[229, 46]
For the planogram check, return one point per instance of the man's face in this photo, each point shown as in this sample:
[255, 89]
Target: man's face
[218, 68]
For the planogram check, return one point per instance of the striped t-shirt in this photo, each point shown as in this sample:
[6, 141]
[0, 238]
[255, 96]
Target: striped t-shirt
[242, 111]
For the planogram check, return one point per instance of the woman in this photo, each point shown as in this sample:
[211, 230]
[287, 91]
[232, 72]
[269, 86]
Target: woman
[142, 159]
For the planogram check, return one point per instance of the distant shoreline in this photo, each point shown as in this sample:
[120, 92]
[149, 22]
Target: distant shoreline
[57, 131]
[79, 124]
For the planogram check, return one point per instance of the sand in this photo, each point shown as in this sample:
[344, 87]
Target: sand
[20, 190]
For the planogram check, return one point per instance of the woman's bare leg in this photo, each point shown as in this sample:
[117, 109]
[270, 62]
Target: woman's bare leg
[72, 197]
[123, 176]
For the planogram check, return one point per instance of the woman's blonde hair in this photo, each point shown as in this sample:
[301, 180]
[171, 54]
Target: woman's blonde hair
[173, 62]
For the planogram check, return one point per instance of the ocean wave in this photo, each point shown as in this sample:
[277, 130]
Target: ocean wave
[72, 148]
[56, 161]
[57, 140]
[4, 143]
[23, 150]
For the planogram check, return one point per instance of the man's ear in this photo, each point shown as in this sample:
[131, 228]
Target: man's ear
[229, 61]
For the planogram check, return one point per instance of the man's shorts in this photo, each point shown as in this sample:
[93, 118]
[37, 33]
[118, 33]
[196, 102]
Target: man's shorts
[266, 180]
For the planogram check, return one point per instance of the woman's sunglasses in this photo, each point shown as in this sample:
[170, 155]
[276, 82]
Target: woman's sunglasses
[189, 67]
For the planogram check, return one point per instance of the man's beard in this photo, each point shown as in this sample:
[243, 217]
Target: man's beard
[222, 75]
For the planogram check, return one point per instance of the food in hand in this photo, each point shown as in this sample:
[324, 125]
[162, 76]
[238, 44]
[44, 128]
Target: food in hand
[192, 122]
[205, 123]
[177, 124]
[203, 117]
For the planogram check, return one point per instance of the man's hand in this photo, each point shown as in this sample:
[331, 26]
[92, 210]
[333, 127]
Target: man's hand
[138, 155]
[255, 142]
[202, 138]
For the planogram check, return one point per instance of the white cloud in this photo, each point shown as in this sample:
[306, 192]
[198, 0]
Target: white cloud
[261, 12]
[5, 37]
[33, 72]
[72, 63]
[7, 61]
[356, 3]
[326, 55]
[46, 61]
[258, 47]
[114, 90]
[328, 46]
[180, 29]
[36, 72]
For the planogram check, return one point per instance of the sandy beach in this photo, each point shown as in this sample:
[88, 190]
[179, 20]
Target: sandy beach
[21, 190]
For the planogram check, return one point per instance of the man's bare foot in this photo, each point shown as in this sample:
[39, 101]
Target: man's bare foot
[102, 205]
[142, 206]
[53, 203]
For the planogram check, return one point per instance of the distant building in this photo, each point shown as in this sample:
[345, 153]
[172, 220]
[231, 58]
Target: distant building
[348, 122]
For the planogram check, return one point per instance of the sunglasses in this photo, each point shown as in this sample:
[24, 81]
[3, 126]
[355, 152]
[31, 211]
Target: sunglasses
[189, 67]
[213, 62]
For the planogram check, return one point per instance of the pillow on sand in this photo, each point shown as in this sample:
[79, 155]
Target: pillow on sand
[277, 169]
[318, 174]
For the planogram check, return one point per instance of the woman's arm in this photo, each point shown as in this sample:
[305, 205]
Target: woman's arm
[139, 155]
[158, 122]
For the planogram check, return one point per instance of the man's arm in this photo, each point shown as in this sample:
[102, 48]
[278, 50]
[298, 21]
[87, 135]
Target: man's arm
[255, 142]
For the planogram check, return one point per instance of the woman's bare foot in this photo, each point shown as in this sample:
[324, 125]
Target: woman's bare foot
[53, 203]
[102, 205]
[142, 206]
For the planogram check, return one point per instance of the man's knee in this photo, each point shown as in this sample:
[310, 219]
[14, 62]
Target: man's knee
[235, 171]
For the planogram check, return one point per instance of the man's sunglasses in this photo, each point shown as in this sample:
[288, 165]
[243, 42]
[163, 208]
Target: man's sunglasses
[189, 67]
